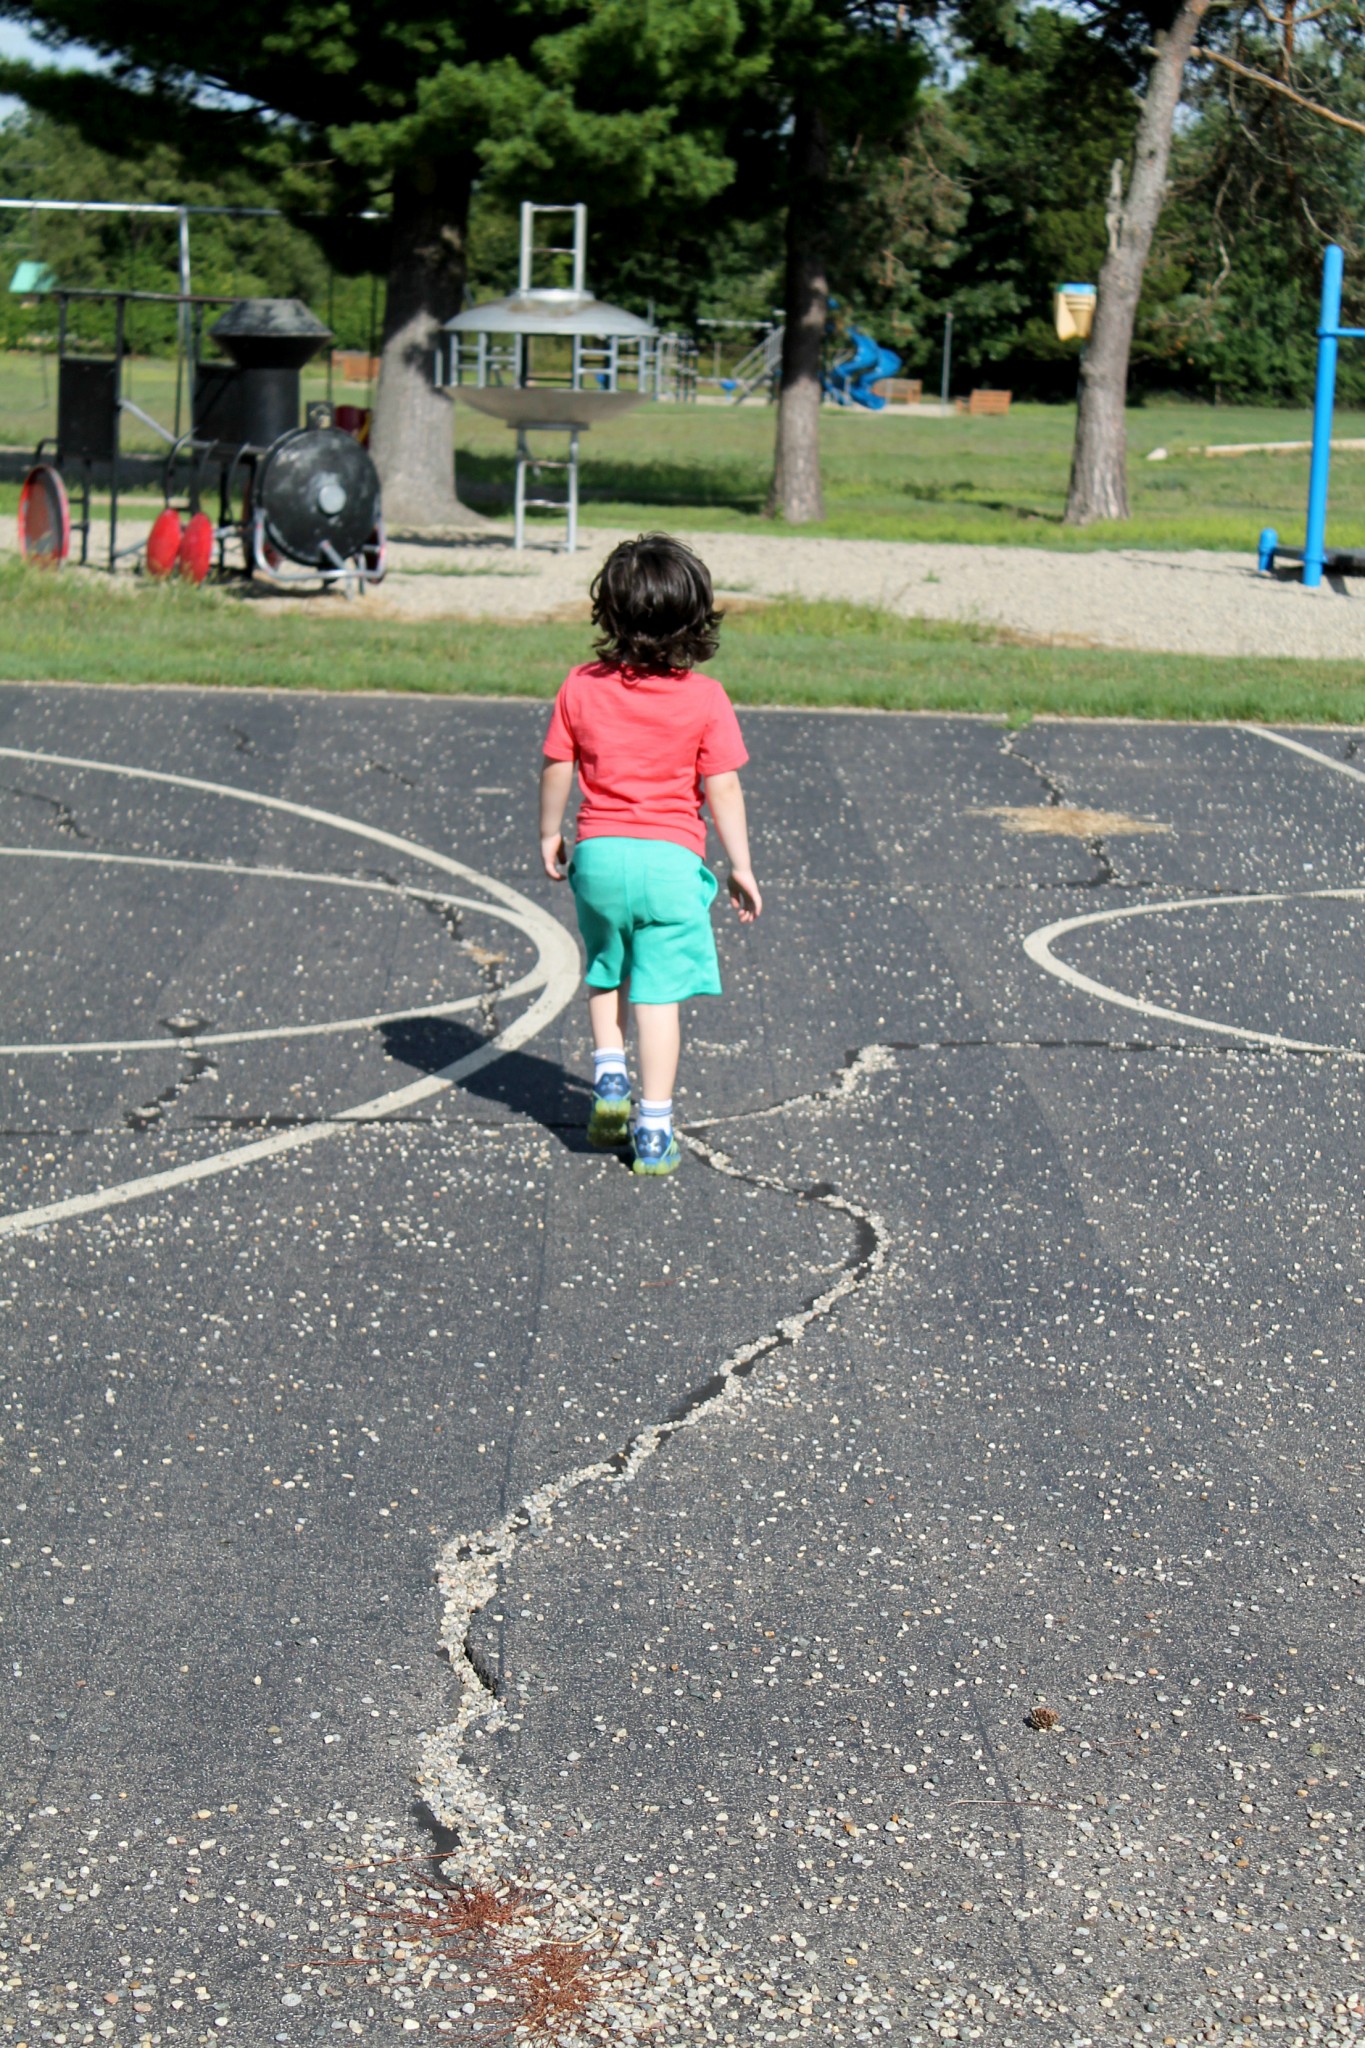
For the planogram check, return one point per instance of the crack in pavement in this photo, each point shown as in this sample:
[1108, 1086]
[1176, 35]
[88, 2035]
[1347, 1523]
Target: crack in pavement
[1104, 877]
[470, 1566]
[62, 814]
[490, 964]
[198, 1067]
[290, 1120]
[383, 768]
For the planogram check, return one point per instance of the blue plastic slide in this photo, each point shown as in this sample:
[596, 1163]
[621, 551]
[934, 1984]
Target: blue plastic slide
[850, 382]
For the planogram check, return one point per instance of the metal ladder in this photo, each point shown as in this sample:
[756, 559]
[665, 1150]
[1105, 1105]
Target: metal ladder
[529, 466]
[760, 366]
[530, 248]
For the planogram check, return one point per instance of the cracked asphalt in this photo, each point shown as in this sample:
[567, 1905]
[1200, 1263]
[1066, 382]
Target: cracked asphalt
[898, 1580]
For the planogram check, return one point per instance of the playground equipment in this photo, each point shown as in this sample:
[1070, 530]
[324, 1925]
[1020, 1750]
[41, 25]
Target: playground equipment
[1073, 311]
[306, 498]
[850, 382]
[759, 369]
[1315, 554]
[606, 361]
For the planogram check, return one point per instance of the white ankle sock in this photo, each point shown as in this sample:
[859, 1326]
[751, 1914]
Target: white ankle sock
[655, 1116]
[612, 1061]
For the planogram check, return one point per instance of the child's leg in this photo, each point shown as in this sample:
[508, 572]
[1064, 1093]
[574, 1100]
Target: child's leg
[656, 1148]
[660, 1036]
[607, 1010]
[609, 1116]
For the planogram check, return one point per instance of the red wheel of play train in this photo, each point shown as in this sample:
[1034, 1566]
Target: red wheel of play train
[44, 517]
[196, 548]
[163, 542]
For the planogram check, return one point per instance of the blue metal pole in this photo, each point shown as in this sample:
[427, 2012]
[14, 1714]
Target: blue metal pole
[1315, 539]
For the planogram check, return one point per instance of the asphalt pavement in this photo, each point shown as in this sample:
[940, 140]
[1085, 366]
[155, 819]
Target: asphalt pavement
[898, 1580]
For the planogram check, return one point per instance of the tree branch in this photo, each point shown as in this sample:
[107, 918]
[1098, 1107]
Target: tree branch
[1263, 78]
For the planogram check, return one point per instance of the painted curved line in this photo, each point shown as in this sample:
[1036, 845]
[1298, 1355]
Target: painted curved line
[1038, 946]
[558, 963]
[195, 1040]
[1280, 739]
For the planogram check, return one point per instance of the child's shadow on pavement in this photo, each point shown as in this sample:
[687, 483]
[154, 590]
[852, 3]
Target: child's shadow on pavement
[537, 1088]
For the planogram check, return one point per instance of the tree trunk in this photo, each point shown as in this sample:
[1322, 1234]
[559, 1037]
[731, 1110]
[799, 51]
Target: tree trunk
[796, 492]
[1099, 462]
[412, 440]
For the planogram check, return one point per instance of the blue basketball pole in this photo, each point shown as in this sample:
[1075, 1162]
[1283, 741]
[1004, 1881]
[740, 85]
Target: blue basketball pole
[1329, 330]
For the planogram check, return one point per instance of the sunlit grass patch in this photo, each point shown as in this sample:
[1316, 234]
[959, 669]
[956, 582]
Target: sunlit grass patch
[823, 654]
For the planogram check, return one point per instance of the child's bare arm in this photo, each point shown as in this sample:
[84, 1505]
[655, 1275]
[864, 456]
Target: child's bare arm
[556, 783]
[725, 799]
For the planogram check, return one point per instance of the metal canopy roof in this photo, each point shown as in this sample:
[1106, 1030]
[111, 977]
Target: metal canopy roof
[547, 405]
[549, 312]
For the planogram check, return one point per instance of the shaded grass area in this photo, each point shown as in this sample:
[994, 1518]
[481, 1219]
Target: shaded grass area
[70, 627]
[897, 476]
[28, 397]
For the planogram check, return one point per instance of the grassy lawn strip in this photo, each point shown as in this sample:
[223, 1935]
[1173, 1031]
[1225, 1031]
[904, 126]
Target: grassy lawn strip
[892, 476]
[84, 629]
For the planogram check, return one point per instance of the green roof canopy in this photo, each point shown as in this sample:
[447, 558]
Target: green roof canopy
[32, 277]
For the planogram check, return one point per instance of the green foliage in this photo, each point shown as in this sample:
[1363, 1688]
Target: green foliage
[672, 119]
[607, 97]
[1040, 120]
[44, 158]
[1259, 187]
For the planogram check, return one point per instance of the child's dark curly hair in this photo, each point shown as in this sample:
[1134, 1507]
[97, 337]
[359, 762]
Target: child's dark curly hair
[654, 608]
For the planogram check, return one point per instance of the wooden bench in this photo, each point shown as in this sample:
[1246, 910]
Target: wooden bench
[986, 404]
[353, 367]
[900, 390]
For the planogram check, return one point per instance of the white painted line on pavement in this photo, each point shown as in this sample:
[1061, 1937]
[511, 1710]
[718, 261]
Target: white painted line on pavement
[195, 1040]
[1279, 739]
[1038, 945]
[558, 964]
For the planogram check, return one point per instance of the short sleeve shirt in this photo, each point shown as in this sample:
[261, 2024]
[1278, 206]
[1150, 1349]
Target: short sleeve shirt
[642, 745]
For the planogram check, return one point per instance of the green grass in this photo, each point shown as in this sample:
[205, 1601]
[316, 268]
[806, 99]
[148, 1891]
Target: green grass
[28, 398]
[84, 628]
[890, 476]
[899, 477]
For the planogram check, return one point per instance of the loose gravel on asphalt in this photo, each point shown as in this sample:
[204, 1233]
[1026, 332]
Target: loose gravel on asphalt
[898, 1580]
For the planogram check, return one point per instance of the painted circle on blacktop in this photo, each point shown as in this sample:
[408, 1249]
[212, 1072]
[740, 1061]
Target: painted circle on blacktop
[1040, 947]
[330, 1027]
[557, 974]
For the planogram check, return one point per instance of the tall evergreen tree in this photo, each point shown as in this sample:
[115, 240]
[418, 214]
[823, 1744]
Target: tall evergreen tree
[831, 78]
[409, 103]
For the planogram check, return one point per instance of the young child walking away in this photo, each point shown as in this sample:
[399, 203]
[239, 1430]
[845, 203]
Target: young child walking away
[651, 737]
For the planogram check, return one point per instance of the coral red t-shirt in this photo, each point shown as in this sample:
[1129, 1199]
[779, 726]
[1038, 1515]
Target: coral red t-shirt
[641, 745]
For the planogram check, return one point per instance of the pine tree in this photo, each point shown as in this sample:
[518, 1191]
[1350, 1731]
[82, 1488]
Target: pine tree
[409, 103]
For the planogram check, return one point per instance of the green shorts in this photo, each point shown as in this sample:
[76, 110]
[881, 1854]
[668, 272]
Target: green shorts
[644, 910]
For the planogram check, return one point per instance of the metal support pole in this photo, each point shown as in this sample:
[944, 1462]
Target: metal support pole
[119, 309]
[573, 491]
[184, 321]
[519, 502]
[947, 361]
[580, 247]
[1329, 323]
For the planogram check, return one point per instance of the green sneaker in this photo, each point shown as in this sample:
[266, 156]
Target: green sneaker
[609, 1117]
[656, 1152]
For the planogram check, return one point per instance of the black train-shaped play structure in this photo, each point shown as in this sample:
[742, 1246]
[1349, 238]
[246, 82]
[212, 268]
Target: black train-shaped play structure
[301, 502]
